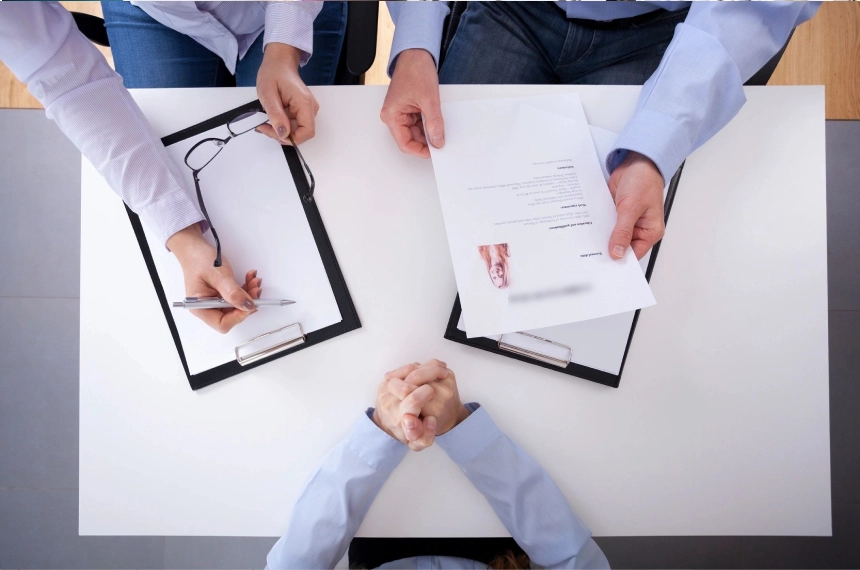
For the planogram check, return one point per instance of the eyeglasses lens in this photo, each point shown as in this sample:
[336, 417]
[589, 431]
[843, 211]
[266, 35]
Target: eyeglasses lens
[203, 154]
[247, 122]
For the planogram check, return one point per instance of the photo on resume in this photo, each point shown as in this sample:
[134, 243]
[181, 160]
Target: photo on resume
[495, 259]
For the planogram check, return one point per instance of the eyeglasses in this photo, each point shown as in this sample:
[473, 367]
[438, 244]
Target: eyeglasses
[204, 151]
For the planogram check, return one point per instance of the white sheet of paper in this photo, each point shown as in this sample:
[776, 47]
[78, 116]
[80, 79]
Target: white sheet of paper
[597, 343]
[255, 207]
[528, 217]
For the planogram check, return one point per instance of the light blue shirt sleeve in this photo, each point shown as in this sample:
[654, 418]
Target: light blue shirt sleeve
[416, 25]
[41, 44]
[336, 498]
[523, 495]
[698, 87]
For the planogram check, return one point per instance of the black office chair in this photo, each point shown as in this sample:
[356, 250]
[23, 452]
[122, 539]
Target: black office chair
[761, 77]
[356, 56]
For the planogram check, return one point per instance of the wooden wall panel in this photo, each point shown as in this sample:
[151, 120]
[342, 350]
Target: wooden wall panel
[377, 74]
[826, 51]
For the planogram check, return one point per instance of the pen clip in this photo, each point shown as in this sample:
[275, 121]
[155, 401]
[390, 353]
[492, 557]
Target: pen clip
[198, 299]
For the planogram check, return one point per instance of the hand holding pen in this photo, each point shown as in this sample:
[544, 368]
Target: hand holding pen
[219, 303]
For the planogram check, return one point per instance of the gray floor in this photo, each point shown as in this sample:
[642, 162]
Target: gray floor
[39, 315]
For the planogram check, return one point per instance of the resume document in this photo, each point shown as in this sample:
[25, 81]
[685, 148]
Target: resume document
[528, 215]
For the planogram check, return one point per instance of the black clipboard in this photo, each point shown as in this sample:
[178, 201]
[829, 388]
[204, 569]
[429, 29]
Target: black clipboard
[571, 368]
[348, 313]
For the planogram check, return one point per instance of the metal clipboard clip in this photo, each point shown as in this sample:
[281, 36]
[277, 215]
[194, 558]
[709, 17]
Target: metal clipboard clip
[535, 354]
[281, 345]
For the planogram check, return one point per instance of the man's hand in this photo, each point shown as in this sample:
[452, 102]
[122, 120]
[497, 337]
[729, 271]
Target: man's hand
[414, 90]
[398, 417]
[288, 102]
[445, 405]
[637, 187]
[203, 279]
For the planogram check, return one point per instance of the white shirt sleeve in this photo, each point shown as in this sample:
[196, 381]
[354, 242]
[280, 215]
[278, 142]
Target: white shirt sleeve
[292, 23]
[41, 44]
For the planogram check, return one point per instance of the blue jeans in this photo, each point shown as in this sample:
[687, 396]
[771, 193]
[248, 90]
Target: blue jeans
[535, 43]
[149, 54]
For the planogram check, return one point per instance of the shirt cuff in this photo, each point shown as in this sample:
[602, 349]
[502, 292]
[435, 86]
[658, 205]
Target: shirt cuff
[471, 437]
[171, 213]
[419, 26]
[292, 23]
[655, 135]
[375, 447]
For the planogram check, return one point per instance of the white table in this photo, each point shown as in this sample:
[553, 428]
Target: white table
[720, 426]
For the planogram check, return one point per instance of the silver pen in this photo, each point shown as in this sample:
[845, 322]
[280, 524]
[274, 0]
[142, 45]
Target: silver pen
[219, 303]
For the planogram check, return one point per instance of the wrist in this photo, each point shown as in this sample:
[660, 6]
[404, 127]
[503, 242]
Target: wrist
[378, 421]
[412, 57]
[459, 417]
[284, 53]
[185, 239]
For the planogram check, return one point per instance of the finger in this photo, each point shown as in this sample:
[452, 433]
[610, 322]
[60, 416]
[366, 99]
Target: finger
[227, 287]
[305, 120]
[255, 292]
[250, 275]
[413, 403]
[417, 132]
[412, 427]
[434, 125]
[406, 142]
[400, 389]
[622, 235]
[427, 437]
[401, 372]
[253, 283]
[221, 320]
[274, 107]
[269, 131]
[426, 374]
[644, 239]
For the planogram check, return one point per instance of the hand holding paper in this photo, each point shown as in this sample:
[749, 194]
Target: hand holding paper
[637, 188]
[529, 217]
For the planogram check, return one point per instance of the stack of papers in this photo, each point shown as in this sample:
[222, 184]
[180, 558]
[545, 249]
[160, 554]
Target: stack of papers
[528, 216]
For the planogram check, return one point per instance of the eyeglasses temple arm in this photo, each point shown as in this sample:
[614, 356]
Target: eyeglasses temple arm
[208, 221]
[309, 196]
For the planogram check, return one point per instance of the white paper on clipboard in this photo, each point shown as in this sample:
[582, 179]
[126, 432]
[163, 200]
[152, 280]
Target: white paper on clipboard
[598, 343]
[254, 205]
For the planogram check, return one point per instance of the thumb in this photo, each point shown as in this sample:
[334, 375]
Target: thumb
[274, 107]
[413, 427]
[231, 291]
[619, 241]
[434, 125]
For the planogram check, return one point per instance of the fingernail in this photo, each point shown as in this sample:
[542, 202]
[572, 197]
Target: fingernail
[282, 131]
[249, 305]
[409, 423]
[431, 424]
[438, 140]
[618, 251]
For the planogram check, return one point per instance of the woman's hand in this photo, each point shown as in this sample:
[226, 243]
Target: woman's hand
[288, 102]
[203, 279]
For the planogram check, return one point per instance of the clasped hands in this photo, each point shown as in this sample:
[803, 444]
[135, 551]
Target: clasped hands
[417, 402]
